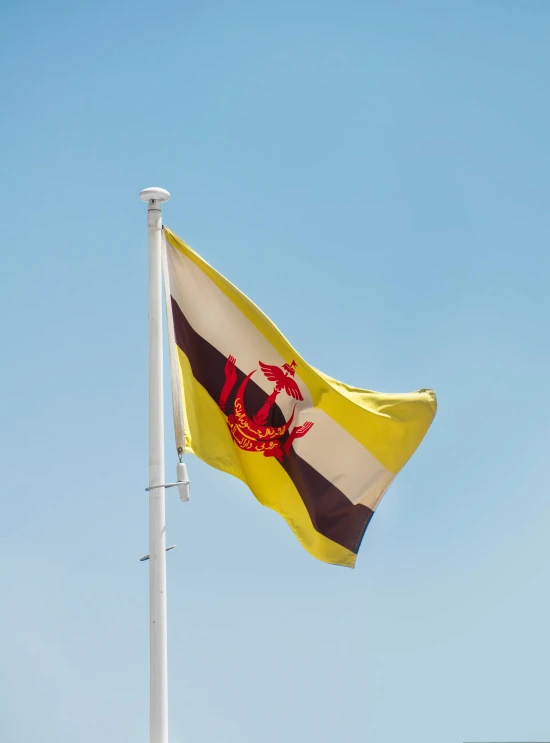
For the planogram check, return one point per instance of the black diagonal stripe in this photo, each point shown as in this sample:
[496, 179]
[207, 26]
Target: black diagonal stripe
[331, 512]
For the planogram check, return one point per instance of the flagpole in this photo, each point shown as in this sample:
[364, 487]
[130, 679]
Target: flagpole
[157, 538]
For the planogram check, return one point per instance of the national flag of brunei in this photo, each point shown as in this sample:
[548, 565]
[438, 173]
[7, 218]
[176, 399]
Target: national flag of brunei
[320, 453]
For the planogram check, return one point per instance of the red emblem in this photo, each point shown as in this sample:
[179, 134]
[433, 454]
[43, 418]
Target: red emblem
[251, 434]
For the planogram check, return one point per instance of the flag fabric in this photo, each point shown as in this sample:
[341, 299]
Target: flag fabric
[319, 452]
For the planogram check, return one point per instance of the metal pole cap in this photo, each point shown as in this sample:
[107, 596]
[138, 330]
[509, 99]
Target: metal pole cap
[154, 193]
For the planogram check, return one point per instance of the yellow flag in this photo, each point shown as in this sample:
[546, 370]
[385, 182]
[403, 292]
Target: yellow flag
[320, 453]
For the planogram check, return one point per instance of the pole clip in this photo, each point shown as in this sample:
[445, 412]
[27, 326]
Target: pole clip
[168, 485]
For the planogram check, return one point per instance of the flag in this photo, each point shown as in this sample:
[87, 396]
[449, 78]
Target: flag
[319, 452]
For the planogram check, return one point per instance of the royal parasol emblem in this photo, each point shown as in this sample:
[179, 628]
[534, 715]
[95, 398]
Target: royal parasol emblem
[252, 434]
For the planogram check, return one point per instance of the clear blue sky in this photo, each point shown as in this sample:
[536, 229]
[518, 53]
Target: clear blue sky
[376, 177]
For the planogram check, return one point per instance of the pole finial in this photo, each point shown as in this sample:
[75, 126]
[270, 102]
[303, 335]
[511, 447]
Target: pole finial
[158, 194]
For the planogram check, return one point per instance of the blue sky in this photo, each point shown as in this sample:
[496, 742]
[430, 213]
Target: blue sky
[375, 177]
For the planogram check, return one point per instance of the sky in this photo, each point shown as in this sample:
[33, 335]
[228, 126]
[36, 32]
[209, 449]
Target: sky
[375, 177]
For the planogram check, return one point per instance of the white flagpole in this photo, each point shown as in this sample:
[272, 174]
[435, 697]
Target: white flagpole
[157, 538]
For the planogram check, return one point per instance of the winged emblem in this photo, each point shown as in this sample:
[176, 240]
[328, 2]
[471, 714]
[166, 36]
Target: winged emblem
[252, 434]
[282, 376]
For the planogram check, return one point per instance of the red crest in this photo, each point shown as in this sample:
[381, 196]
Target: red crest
[252, 434]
